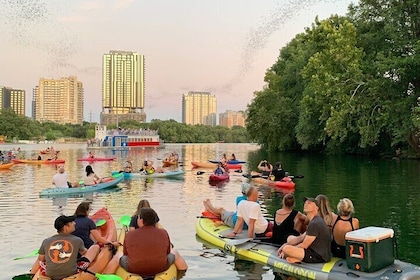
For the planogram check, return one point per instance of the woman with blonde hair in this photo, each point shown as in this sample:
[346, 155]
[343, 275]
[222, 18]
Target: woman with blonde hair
[343, 224]
[325, 211]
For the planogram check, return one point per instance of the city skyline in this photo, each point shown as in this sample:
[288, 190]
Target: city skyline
[215, 46]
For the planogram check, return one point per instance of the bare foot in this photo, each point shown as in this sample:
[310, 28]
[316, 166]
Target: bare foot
[218, 223]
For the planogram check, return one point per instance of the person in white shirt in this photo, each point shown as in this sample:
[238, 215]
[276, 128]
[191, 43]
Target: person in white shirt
[60, 179]
[249, 212]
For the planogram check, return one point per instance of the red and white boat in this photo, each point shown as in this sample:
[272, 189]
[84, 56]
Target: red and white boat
[120, 139]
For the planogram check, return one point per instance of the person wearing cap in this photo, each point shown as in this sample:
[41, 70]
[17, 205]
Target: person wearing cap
[147, 250]
[228, 218]
[313, 246]
[288, 221]
[249, 212]
[58, 255]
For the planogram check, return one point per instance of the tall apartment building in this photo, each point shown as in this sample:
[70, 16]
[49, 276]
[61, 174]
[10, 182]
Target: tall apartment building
[199, 108]
[59, 101]
[14, 99]
[123, 88]
[232, 118]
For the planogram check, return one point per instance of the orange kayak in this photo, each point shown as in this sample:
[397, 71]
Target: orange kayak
[167, 163]
[107, 230]
[6, 165]
[206, 164]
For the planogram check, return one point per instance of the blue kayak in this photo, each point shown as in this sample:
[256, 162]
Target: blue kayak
[139, 175]
[116, 178]
[231, 161]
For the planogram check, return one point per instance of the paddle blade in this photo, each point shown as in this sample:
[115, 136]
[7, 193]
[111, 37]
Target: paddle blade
[100, 222]
[32, 254]
[125, 220]
[108, 276]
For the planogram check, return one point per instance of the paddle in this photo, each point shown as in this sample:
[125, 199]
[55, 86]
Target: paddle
[31, 254]
[103, 276]
[100, 222]
[237, 171]
[260, 176]
[125, 220]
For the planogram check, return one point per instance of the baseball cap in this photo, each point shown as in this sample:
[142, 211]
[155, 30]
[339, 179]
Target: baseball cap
[244, 187]
[311, 199]
[61, 221]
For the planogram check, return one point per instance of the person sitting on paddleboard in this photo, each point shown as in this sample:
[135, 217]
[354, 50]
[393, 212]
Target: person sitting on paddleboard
[91, 155]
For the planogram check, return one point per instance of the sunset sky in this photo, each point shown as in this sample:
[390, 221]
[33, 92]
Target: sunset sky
[221, 46]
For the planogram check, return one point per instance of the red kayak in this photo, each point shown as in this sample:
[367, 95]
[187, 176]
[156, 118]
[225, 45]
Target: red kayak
[286, 182]
[96, 159]
[221, 177]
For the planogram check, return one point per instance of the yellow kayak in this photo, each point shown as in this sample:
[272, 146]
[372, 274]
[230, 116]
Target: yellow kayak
[169, 274]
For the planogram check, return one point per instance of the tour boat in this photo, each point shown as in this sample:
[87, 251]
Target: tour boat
[121, 139]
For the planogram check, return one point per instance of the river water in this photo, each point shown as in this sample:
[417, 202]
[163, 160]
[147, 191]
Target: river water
[385, 193]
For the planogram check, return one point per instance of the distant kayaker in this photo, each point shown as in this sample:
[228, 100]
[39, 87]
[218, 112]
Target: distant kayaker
[278, 172]
[265, 167]
[220, 170]
[128, 166]
[91, 155]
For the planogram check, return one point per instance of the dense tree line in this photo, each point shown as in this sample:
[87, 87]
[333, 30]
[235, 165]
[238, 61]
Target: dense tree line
[19, 127]
[346, 85]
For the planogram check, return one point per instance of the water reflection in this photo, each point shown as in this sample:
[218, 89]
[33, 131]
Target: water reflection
[384, 192]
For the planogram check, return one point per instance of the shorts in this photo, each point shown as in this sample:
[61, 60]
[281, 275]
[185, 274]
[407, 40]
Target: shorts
[227, 218]
[312, 257]
[124, 261]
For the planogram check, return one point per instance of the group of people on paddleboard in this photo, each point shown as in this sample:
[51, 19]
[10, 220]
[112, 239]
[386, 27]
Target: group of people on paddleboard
[312, 236]
[79, 251]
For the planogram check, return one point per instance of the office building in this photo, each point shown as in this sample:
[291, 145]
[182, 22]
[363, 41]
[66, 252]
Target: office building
[123, 89]
[59, 100]
[14, 99]
[199, 108]
[232, 118]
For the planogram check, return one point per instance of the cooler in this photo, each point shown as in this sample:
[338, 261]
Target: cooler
[369, 249]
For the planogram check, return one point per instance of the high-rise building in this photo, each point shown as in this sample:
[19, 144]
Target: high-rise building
[122, 87]
[232, 118]
[59, 101]
[199, 108]
[14, 99]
